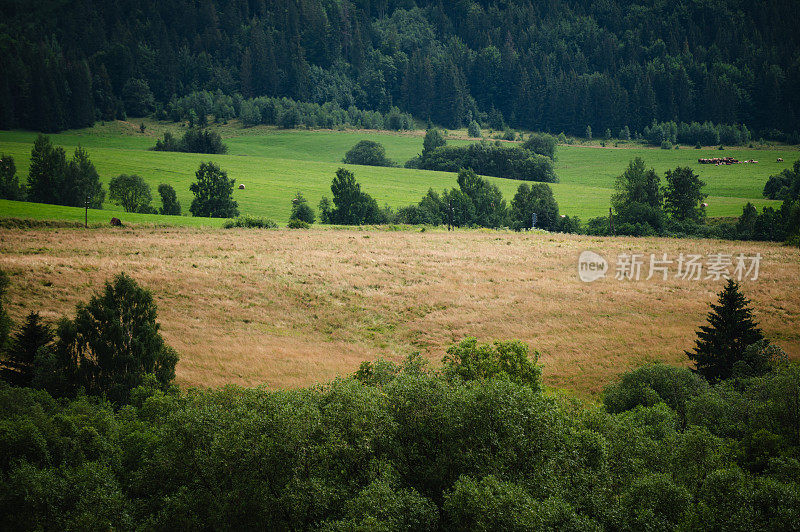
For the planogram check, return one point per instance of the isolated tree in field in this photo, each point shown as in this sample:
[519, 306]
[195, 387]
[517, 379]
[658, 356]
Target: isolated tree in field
[169, 200]
[683, 195]
[46, 173]
[368, 152]
[130, 192]
[433, 139]
[114, 342]
[637, 197]
[213, 193]
[301, 210]
[538, 199]
[9, 182]
[730, 330]
[19, 366]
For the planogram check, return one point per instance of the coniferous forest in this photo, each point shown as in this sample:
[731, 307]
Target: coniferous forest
[554, 66]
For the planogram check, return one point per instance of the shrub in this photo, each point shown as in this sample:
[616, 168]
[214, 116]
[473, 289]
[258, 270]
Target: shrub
[474, 129]
[301, 210]
[369, 153]
[250, 222]
[666, 145]
[294, 223]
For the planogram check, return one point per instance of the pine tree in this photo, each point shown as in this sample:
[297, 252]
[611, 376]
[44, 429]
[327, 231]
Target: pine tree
[18, 367]
[731, 328]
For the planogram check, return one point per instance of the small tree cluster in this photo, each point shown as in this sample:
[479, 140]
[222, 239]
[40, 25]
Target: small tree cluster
[53, 179]
[193, 141]
[112, 346]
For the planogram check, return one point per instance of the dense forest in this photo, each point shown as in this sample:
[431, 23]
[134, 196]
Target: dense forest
[555, 66]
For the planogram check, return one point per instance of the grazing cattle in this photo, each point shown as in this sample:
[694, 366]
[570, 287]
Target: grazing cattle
[116, 222]
[241, 186]
[780, 159]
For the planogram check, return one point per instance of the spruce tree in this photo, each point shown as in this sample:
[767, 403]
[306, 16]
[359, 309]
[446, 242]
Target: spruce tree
[46, 173]
[731, 328]
[18, 368]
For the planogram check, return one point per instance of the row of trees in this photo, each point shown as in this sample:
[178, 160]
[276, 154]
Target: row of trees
[193, 141]
[76, 183]
[554, 67]
[532, 161]
[475, 203]
[706, 134]
[474, 445]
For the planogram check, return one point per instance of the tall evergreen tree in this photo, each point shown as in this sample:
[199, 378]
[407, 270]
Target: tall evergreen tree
[47, 169]
[730, 330]
[19, 366]
[9, 182]
[81, 185]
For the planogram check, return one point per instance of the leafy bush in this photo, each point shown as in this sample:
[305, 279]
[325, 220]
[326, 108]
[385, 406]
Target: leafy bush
[474, 129]
[301, 210]
[369, 153]
[295, 223]
[250, 222]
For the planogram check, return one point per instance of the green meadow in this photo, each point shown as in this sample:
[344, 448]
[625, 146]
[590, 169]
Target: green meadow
[275, 164]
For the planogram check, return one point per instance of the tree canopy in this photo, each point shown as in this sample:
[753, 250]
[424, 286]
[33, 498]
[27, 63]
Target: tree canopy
[560, 66]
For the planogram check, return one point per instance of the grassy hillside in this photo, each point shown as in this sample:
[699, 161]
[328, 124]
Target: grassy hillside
[289, 308]
[274, 164]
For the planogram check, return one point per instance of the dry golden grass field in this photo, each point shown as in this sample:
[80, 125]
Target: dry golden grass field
[289, 308]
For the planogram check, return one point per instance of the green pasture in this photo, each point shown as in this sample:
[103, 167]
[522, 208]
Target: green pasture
[274, 164]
